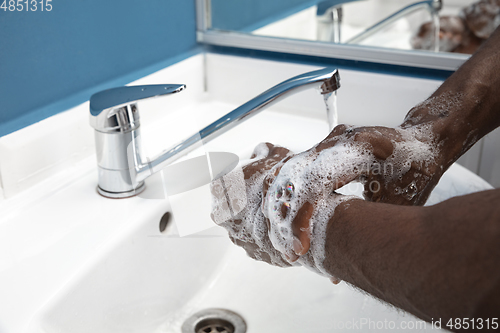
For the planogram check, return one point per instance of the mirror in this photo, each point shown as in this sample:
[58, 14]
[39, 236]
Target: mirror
[436, 34]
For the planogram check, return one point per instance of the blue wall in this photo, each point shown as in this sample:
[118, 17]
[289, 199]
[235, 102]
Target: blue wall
[50, 61]
[253, 14]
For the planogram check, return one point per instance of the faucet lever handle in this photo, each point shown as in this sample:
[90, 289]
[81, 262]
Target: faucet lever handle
[116, 97]
[115, 110]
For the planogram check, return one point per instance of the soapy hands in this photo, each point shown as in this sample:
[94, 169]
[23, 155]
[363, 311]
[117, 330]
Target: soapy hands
[237, 199]
[278, 205]
[237, 207]
[396, 165]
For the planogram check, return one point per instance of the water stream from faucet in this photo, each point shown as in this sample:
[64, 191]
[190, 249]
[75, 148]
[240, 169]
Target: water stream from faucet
[331, 109]
[435, 20]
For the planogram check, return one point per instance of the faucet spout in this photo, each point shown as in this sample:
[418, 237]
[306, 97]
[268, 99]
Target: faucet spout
[128, 180]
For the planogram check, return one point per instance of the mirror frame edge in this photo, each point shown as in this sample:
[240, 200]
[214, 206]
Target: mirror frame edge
[419, 59]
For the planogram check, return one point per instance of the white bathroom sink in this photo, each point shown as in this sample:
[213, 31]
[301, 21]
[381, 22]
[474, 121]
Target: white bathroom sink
[73, 261]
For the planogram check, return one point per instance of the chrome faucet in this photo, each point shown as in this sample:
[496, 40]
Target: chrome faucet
[114, 115]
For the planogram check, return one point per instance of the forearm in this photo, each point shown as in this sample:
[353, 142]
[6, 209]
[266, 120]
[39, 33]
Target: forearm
[434, 262]
[467, 105]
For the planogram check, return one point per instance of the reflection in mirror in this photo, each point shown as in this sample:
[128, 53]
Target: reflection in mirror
[458, 25]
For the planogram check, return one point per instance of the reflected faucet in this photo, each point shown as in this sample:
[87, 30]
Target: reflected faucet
[433, 6]
[329, 15]
[114, 115]
[329, 23]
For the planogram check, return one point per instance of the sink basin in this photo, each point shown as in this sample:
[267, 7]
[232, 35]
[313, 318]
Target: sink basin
[146, 281]
[73, 261]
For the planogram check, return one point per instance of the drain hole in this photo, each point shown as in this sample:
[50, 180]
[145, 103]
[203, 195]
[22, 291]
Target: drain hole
[165, 219]
[214, 325]
[215, 321]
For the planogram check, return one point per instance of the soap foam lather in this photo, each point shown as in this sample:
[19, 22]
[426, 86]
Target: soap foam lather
[312, 176]
[265, 224]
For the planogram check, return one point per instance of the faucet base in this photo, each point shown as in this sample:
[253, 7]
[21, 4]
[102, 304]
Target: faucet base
[121, 195]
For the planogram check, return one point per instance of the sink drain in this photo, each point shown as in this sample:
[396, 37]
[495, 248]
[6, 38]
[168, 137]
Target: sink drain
[214, 321]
